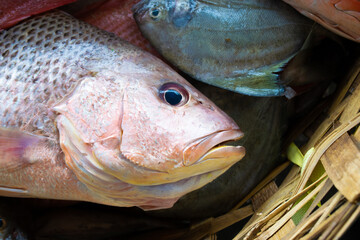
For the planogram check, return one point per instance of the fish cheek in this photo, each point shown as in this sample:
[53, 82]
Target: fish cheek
[149, 139]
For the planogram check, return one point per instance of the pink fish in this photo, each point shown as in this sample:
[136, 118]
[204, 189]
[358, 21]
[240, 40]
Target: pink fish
[87, 116]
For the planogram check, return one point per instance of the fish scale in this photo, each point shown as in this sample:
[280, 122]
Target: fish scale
[42, 49]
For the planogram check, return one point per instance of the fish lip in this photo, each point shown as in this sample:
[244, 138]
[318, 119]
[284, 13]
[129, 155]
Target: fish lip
[202, 148]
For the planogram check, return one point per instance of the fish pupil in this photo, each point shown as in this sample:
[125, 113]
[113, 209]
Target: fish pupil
[155, 12]
[173, 97]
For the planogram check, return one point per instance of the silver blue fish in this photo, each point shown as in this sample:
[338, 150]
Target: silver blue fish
[232, 44]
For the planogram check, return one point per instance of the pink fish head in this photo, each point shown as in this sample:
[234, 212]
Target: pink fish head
[139, 132]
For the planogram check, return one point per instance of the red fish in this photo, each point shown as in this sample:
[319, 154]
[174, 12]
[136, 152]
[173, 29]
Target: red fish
[11, 12]
[339, 16]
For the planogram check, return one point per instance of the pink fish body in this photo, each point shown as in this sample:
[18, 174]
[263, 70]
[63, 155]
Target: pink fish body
[86, 116]
[339, 16]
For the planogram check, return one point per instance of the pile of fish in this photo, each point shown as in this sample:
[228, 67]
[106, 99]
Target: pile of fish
[87, 116]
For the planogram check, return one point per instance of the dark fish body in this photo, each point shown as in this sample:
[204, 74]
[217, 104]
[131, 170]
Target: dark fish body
[236, 45]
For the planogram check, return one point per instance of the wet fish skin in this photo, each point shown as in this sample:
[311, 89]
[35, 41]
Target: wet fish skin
[82, 119]
[236, 45]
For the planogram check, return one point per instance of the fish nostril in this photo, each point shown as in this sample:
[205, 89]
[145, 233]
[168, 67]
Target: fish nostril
[207, 105]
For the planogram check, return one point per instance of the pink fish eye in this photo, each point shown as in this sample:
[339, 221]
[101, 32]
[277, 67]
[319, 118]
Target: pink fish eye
[173, 94]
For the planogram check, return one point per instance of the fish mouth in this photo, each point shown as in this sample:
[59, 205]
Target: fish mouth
[207, 155]
[139, 10]
[198, 151]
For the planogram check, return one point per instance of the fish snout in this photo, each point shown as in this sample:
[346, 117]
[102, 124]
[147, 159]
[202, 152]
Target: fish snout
[139, 10]
[212, 147]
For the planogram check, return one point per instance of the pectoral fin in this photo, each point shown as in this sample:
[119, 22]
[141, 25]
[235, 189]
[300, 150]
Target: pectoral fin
[16, 149]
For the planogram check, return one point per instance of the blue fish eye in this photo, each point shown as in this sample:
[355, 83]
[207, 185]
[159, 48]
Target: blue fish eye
[173, 94]
[155, 12]
[173, 97]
